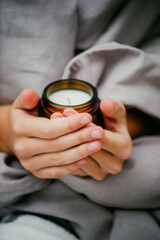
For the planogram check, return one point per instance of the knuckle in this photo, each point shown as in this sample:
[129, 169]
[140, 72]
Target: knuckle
[100, 176]
[129, 149]
[22, 149]
[19, 149]
[72, 168]
[57, 145]
[126, 150]
[126, 153]
[116, 168]
[81, 152]
[123, 149]
[27, 164]
[72, 125]
[81, 137]
[122, 154]
[101, 130]
[57, 159]
[25, 151]
[116, 146]
[38, 175]
[56, 174]
[48, 131]
[16, 128]
[129, 153]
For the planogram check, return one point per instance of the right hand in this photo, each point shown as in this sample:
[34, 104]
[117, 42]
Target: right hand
[49, 148]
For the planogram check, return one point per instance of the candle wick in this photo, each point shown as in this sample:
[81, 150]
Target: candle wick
[68, 100]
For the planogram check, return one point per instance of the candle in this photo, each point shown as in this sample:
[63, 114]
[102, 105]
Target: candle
[70, 97]
[74, 93]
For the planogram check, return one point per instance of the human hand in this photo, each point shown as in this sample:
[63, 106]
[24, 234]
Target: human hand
[49, 148]
[116, 143]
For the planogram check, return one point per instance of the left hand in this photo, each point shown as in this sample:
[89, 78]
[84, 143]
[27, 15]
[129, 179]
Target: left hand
[116, 143]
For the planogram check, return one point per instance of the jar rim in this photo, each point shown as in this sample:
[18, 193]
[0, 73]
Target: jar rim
[70, 82]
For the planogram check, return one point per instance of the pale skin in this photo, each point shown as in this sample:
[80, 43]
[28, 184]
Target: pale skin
[68, 143]
[116, 142]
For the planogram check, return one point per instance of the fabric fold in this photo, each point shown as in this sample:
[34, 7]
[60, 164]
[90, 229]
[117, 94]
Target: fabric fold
[16, 181]
[135, 187]
[120, 72]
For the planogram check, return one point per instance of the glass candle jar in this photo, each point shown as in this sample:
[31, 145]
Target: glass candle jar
[70, 93]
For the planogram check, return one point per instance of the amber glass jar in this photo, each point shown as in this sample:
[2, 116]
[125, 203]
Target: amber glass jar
[70, 93]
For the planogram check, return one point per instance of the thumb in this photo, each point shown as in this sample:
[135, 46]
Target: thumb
[27, 99]
[113, 110]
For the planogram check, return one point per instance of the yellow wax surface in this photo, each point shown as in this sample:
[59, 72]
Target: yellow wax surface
[70, 97]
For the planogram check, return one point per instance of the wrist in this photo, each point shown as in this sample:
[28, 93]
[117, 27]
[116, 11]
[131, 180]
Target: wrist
[140, 124]
[5, 135]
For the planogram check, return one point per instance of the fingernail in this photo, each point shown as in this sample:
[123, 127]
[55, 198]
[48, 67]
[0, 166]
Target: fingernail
[93, 146]
[56, 115]
[96, 134]
[68, 114]
[85, 120]
[81, 162]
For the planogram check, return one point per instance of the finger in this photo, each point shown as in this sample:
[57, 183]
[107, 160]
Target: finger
[108, 162]
[28, 125]
[56, 115]
[69, 112]
[93, 169]
[61, 158]
[28, 99]
[114, 110]
[28, 147]
[117, 144]
[80, 173]
[57, 172]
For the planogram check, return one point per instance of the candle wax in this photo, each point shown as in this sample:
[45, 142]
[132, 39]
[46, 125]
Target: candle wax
[70, 97]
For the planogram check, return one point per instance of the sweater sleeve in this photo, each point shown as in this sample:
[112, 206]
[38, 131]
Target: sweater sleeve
[16, 181]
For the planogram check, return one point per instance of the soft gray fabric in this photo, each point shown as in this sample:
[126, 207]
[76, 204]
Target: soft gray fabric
[12, 174]
[36, 41]
[135, 187]
[142, 225]
[32, 227]
[37, 44]
[120, 72]
[91, 221]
